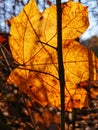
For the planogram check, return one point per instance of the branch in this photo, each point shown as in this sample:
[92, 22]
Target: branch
[60, 62]
[38, 72]
[5, 58]
[48, 45]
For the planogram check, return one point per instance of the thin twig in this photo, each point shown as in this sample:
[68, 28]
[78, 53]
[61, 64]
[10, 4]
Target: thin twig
[32, 119]
[39, 72]
[48, 45]
[5, 58]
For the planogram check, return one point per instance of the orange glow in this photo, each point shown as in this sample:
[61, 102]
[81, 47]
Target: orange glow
[33, 41]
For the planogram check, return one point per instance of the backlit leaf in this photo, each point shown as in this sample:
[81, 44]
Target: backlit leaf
[33, 41]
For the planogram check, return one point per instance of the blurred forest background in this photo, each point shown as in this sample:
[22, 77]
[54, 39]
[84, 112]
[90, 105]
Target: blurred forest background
[17, 112]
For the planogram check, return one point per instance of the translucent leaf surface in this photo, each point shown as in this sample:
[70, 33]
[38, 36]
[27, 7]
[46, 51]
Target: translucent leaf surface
[33, 43]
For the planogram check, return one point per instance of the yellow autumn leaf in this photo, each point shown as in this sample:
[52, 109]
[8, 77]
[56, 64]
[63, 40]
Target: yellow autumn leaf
[23, 34]
[31, 26]
[33, 41]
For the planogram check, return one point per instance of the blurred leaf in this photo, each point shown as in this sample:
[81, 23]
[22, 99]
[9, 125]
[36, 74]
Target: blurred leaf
[2, 39]
[49, 2]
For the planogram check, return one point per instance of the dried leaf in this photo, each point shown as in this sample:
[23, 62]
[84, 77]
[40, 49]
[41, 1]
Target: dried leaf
[49, 2]
[33, 41]
[2, 39]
